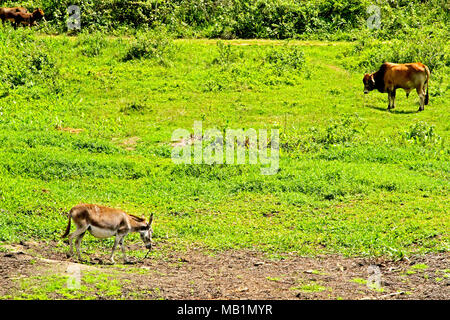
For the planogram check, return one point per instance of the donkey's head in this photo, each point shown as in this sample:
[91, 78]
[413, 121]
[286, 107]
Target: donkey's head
[146, 233]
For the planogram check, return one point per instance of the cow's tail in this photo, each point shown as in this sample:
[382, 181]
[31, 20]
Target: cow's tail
[427, 97]
[69, 215]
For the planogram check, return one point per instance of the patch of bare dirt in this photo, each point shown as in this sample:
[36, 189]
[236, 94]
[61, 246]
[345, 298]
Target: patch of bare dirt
[338, 69]
[68, 129]
[128, 143]
[245, 274]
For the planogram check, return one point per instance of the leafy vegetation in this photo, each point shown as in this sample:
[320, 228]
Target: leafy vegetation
[88, 117]
[54, 286]
[276, 19]
[354, 179]
[26, 62]
[155, 45]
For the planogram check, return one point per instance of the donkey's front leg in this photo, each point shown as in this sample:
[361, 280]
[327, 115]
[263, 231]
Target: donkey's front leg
[116, 241]
[76, 234]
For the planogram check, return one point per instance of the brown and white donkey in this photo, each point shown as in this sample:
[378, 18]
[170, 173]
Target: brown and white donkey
[104, 222]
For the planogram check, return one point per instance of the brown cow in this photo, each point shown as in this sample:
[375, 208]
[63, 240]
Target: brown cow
[6, 13]
[26, 18]
[392, 76]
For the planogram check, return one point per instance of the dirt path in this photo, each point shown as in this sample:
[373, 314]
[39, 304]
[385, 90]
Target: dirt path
[28, 268]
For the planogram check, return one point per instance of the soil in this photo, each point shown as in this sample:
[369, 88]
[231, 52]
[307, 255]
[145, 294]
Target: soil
[239, 274]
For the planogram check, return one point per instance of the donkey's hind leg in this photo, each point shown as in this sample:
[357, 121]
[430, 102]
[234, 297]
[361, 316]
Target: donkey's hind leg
[125, 259]
[77, 244]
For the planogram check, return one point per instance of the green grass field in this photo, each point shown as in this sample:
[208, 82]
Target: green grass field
[94, 125]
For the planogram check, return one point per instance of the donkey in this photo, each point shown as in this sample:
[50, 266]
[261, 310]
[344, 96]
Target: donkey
[104, 222]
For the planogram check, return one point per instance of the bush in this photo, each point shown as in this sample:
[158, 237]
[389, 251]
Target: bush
[285, 58]
[157, 46]
[421, 133]
[277, 19]
[91, 44]
[134, 107]
[26, 61]
[429, 50]
[343, 130]
[226, 55]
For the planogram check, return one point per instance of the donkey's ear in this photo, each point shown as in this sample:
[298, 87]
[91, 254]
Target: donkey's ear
[150, 220]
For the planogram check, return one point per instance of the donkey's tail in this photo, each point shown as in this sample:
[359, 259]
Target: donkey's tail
[69, 215]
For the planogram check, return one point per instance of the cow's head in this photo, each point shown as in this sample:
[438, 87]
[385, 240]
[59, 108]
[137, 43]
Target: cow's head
[369, 83]
[38, 14]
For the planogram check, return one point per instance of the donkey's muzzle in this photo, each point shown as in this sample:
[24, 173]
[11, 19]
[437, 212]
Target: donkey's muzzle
[149, 246]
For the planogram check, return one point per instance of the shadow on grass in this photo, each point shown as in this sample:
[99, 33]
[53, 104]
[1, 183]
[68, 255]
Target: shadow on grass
[392, 111]
[404, 111]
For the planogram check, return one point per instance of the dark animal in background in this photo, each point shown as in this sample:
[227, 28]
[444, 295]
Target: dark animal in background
[20, 17]
[392, 76]
[6, 13]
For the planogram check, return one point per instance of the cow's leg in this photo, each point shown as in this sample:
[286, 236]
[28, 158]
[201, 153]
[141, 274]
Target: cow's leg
[390, 99]
[393, 99]
[421, 97]
[407, 92]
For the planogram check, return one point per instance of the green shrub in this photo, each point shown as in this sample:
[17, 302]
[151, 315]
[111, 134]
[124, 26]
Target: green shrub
[343, 130]
[284, 58]
[421, 133]
[157, 46]
[277, 19]
[26, 61]
[226, 54]
[431, 51]
[91, 44]
[133, 108]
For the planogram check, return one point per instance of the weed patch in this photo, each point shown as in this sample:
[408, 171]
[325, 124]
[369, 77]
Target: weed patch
[156, 46]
